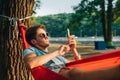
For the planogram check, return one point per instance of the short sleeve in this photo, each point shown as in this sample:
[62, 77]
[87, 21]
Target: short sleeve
[28, 51]
[63, 59]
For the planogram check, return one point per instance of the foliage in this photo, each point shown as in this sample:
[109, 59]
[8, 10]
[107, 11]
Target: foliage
[86, 21]
[36, 6]
[117, 13]
[117, 9]
[96, 11]
[55, 24]
[86, 14]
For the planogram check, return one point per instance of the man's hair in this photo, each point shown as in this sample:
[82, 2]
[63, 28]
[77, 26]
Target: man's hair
[31, 33]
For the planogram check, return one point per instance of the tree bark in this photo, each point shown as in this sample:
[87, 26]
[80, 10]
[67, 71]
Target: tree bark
[103, 19]
[109, 22]
[12, 66]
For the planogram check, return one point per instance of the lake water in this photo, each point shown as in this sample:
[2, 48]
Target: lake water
[84, 40]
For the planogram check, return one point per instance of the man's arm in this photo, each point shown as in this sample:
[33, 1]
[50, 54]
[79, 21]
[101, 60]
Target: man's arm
[33, 61]
[72, 43]
[76, 54]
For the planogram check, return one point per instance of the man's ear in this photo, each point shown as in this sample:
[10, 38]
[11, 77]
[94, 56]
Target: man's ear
[33, 41]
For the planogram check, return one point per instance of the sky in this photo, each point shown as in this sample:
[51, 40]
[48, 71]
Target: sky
[49, 7]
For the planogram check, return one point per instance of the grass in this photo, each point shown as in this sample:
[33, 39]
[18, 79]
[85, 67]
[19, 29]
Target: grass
[84, 50]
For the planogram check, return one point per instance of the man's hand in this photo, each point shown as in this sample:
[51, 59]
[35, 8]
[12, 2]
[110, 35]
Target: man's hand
[72, 42]
[64, 49]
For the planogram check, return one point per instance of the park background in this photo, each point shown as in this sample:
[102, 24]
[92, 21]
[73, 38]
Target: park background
[91, 21]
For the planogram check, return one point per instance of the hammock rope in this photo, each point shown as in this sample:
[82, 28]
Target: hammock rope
[14, 24]
[14, 21]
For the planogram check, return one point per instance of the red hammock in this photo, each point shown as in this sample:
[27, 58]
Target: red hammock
[104, 60]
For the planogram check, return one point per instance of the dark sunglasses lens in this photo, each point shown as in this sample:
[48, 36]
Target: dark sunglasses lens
[44, 35]
[47, 34]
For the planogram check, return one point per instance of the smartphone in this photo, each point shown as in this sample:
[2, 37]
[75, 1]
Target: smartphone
[68, 32]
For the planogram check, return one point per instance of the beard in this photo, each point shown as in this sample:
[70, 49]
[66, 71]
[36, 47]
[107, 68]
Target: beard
[44, 45]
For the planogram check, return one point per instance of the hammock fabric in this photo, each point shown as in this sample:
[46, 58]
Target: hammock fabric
[104, 60]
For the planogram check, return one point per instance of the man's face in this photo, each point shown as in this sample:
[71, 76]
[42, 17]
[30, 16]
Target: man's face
[42, 38]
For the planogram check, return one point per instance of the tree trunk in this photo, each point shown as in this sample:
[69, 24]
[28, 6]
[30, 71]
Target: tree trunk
[109, 19]
[12, 66]
[103, 19]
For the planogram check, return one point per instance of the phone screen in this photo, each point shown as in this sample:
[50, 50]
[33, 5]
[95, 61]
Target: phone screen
[68, 32]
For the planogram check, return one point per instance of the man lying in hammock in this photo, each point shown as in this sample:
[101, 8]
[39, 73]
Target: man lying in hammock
[39, 54]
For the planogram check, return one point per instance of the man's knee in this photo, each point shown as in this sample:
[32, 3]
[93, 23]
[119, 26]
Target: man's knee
[75, 73]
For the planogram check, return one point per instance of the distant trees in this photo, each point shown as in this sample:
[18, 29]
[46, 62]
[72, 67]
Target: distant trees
[91, 18]
[98, 12]
[116, 18]
[117, 13]
[56, 24]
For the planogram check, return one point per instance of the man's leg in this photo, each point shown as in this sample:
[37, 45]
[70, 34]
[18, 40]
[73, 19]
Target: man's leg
[101, 74]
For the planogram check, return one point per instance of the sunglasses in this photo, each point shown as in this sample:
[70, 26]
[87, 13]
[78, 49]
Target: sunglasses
[43, 35]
